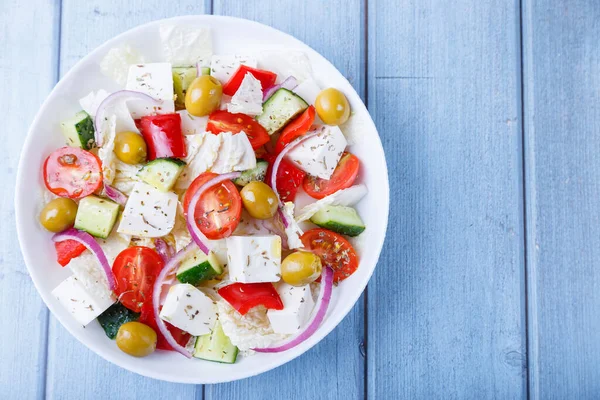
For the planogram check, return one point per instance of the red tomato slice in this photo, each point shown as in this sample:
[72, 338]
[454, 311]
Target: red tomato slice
[136, 269]
[296, 128]
[343, 177]
[67, 250]
[163, 136]
[244, 296]
[219, 209]
[335, 252]
[72, 172]
[289, 177]
[266, 78]
[223, 121]
[147, 317]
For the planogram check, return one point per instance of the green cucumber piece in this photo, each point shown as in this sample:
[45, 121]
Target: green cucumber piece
[255, 174]
[162, 173]
[199, 267]
[96, 216]
[340, 219]
[279, 109]
[79, 131]
[115, 316]
[215, 346]
[205, 70]
[182, 79]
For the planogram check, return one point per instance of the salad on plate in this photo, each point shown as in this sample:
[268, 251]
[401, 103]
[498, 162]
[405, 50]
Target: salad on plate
[207, 207]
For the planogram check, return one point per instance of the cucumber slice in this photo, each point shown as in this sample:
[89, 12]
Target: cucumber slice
[199, 267]
[182, 79]
[255, 174]
[281, 107]
[340, 219]
[215, 346]
[162, 173]
[115, 316]
[79, 131]
[96, 216]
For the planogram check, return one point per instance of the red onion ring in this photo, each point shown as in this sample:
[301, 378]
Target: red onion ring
[197, 235]
[115, 195]
[121, 95]
[315, 320]
[289, 83]
[164, 279]
[164, 250]
[88, 241]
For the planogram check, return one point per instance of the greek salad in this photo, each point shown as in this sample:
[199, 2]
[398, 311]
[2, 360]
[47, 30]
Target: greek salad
[206, 207]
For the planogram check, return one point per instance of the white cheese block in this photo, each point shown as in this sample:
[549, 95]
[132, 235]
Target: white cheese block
[82, 304]
[345, 197]
[293, 231]
[203, 159]
[116, 62]
[248, 98]
[297, 307]
[253, 259]
[235, 153]
[286, 63]
[308, 90]
[155, 80]
[223, 67]
[189, 309]
[192, 125]
[149, 212]
[319, 155]
[185, 45]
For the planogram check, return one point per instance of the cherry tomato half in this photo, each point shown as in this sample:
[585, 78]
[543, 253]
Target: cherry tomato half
[223, 121]
[219, 209]
[335, 252]
[136, 269]
[296, 128]
[343, 177]
[72, 172]
[289, 177]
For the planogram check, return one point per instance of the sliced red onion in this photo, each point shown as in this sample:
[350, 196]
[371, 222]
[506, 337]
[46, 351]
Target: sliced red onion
[197, 235]
[121, 95]
[90, 243]
[316, 317]
[166, 278]
[115, 195]
[289, 83]
[164, 250]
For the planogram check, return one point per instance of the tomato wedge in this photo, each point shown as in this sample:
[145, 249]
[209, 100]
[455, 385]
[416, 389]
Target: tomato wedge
[289, 177]
[67, 250]
[72, 172]
[245, 296]
[163, 136]
[147, 317]
[335, 252]
[343, 177]
[219, 209]
[296, 128]
[223, 121]
[266, 78]
[136, 269]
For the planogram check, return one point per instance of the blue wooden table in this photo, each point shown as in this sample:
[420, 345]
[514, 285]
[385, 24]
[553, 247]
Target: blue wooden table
[489, 282]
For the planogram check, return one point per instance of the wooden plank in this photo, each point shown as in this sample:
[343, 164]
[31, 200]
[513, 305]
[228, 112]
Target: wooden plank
[445, 318]
[334, 369]
[73, 370]
[26, 77]
[562, 142]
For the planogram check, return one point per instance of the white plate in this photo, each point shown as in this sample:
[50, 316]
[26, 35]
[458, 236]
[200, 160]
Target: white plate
[230, 36]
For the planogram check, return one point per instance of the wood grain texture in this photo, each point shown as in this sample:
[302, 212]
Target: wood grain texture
[25, 84]
[445, 312]
[73, 370]
[562, 132]
[334, 369]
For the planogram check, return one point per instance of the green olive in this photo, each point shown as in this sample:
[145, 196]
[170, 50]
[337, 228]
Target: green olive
[259, 199]
[59, 214]
[130, 148]
[136, 339]
[203, 96]
[332, 106]
[301, 268]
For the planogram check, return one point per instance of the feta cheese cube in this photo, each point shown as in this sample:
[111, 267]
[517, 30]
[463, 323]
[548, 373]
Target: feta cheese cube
[149, 212]
[203, 159]
[192, 125]
[297, 307]
[83, 305]
[235, 154]
[223, 67]
[116, 62]
[185, 45]
[155, 80]
[308, 90]
[253, 259]
[248, 98]
[189, 309]
[319, 155]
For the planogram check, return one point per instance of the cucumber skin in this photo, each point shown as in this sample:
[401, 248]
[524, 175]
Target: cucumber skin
[197, 274]
[86, 131]
[257, 173]
[115, 316]
[348, 230]
[339, 219]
